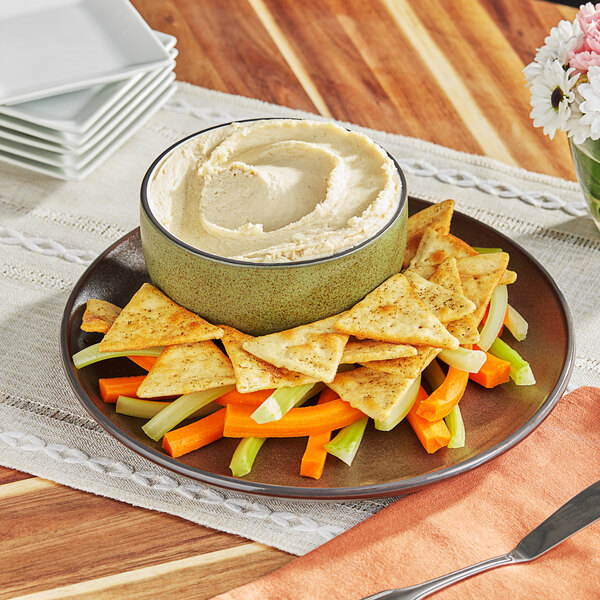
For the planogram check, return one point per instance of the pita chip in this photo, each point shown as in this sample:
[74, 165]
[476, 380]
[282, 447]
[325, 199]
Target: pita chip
[434, 249]
[99, 315]
[253, 374]
[373, 392]
[445, 304]
[314, 349]
[463, 329]
[436, 216]
[359, 351]
[153, 319]
[479, 276]
[408, 367]
[187, 368]
[508, 277]
[393, 312]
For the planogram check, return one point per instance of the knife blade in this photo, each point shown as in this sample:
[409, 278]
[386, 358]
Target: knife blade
[579, 512]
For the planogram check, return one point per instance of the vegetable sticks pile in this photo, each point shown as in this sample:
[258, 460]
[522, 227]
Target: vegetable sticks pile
[449, 305]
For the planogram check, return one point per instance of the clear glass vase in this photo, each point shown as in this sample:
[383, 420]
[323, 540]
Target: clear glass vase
[586, 158]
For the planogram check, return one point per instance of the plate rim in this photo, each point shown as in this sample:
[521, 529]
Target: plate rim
[379, 490]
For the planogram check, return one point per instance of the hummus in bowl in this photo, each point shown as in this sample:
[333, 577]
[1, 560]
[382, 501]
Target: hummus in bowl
[267, 224]
[276, 190]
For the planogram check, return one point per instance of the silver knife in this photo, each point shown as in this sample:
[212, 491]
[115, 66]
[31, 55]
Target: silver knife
[577, 513]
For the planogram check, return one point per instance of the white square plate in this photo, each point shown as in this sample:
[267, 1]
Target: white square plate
[73, 113]
[77, 160]
[77, 144]
[55, 46]
[126, 130]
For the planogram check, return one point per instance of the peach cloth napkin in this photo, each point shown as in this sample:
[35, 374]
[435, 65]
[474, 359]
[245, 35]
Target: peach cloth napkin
[470, 518]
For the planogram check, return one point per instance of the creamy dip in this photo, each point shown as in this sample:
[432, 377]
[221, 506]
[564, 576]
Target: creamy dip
[275, 190]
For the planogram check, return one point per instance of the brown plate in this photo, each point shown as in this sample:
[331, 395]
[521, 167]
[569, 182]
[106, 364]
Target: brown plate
[387, 464]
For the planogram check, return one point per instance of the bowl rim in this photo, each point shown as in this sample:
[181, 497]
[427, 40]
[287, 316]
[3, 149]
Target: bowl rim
[402, 205]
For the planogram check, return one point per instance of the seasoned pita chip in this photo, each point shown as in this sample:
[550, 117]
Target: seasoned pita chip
[187, 368]
[359, 351]
[373, 392]
[99, 315]
[508, 277]
[479, 276]
[437, 216]
[463, 329]
[394, 313]
[434, 249]
[253, 374]
[447, 275]
[153, 319]
[314, 349]
[444, 304]
[408, 367]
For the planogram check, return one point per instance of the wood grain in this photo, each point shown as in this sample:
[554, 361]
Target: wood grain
[55, 537]
[446, 71]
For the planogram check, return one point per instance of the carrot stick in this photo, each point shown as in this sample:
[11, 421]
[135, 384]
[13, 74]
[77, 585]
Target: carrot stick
[195, 435]
[432, 434]
[146, 362]
[250, 398]
[313, 459]
[446, 397]
[493, 372]
[113, 387]
[327, 395]
[298, 422]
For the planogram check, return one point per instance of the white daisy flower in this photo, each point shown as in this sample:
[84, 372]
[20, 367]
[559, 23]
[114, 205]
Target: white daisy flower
[532, 71]
[578, 131]
[563, 38]
[590, 107]
[552, 96]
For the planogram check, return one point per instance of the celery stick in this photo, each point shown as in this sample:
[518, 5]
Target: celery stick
[495, 318]
[463, 359]
[91, 355]
[520, 371]
[456, 425]
[280, 402]
[434, 376]
[244, 455]
[486, 250]
[345, 444]
[134, 407]
[524, 376]
[180, 409]
[402, 408]
[516, 324]
[317, 388]
[146, 409]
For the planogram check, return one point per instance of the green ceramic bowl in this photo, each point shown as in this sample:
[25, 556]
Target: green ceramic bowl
[260, 298]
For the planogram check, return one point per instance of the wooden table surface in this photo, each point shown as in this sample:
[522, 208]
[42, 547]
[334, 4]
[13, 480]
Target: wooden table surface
[447, 71]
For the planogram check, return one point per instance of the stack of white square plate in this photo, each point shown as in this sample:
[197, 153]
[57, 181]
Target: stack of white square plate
[83, 77]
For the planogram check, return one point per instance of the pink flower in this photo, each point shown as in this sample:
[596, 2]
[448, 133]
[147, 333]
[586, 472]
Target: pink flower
[582, 61]
[587, 54]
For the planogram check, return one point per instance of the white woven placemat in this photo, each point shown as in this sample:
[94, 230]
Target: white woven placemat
[50, 230]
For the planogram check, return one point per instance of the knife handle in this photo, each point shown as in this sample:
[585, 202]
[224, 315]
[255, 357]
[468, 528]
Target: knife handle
[422, 590]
